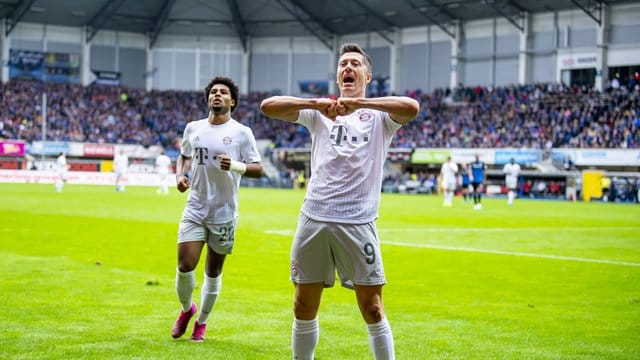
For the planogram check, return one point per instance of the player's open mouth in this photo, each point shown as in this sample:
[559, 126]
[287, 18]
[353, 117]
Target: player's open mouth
[348, 79]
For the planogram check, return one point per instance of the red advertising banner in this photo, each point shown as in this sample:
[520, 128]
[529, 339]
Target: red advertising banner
[11, 148]
[98, 150]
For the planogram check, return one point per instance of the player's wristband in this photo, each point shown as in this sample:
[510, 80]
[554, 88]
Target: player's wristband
[238, 167]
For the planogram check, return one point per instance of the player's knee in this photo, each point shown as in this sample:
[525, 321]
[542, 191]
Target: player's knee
[373, 313]
[303, 310]
[185, 266]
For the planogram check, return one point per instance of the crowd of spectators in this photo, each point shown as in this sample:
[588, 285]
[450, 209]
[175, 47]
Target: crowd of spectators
[112, 114]
[538, 116]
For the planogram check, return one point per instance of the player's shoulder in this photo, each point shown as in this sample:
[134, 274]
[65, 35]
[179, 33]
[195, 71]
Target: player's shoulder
[238, 124]
[196, 123]
[241, 127]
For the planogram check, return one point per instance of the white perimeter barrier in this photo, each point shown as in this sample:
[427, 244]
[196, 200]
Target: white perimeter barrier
[83, 177]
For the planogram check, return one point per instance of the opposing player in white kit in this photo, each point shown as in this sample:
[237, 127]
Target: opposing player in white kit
[512, 171]
[215, 153]
[61, 169]
[449, 173]
[336, 228]
[121, 164]
[163, 163]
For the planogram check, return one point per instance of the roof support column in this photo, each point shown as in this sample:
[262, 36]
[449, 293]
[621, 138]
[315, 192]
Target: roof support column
[602, 68]
[456, 46]
[523, 56]
[150, 72]
[290, 84]
[5, 52]
[85, 59]
[395, 60]
[246, 67]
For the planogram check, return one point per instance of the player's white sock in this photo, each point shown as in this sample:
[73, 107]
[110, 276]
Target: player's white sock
[304, 338]
[59, 185]
[185, 283]
[381, 340]
[210, 289]
[512, 196]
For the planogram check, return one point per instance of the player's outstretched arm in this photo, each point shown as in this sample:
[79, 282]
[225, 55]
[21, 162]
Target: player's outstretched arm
[288, 107]
[401, 109]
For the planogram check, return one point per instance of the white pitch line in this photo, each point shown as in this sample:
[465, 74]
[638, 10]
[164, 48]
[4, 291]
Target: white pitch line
[486, 251]
[280, 232]
[500, 229]
[474, 229]
[511, 253]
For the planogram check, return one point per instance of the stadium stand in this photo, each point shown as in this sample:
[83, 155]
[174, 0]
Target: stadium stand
[538, 116]
[577, 66]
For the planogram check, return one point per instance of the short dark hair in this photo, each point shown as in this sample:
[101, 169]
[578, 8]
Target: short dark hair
[233, 88]
[352, 47]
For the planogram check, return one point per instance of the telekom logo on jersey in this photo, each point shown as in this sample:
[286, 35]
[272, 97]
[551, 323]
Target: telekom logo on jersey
[201, 154]
[340, 133]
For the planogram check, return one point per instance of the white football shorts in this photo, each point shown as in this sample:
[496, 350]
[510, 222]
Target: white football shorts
[449, 184]
[321, 248]
[197, 225]
[512, 183]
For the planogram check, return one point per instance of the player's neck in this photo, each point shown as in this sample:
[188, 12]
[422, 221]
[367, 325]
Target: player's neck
[349, 94]
[219, 119]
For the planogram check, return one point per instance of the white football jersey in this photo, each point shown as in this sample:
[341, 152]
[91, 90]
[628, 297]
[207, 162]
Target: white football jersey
[121, 163]
[512, 172]
[210, 185]
[163, 163]
[347, 158]
[61, 165]
[449, 170]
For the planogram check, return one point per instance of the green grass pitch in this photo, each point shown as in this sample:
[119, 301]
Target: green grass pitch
[89, 274]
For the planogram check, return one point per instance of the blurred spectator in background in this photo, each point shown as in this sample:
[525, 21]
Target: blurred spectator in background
[121, 164]
[61, 169]
[511, 171]
[477, 171]
[527, 187]
[163, 165]
[465, 181]
[448, 174]
[605, 184]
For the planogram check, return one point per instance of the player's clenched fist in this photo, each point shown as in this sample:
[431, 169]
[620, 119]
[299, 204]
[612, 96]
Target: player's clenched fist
[183, 183]
[225, 162]
[327, 107]
[346, 106]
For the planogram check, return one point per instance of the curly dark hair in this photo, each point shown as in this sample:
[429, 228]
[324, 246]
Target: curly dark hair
[233, 88]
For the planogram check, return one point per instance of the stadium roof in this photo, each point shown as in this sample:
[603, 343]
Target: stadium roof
[258, 18]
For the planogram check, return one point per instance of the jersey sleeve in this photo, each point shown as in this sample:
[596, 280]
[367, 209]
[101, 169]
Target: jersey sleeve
[306, 117]
[390, 126]
[185, 146]
[249, 150]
